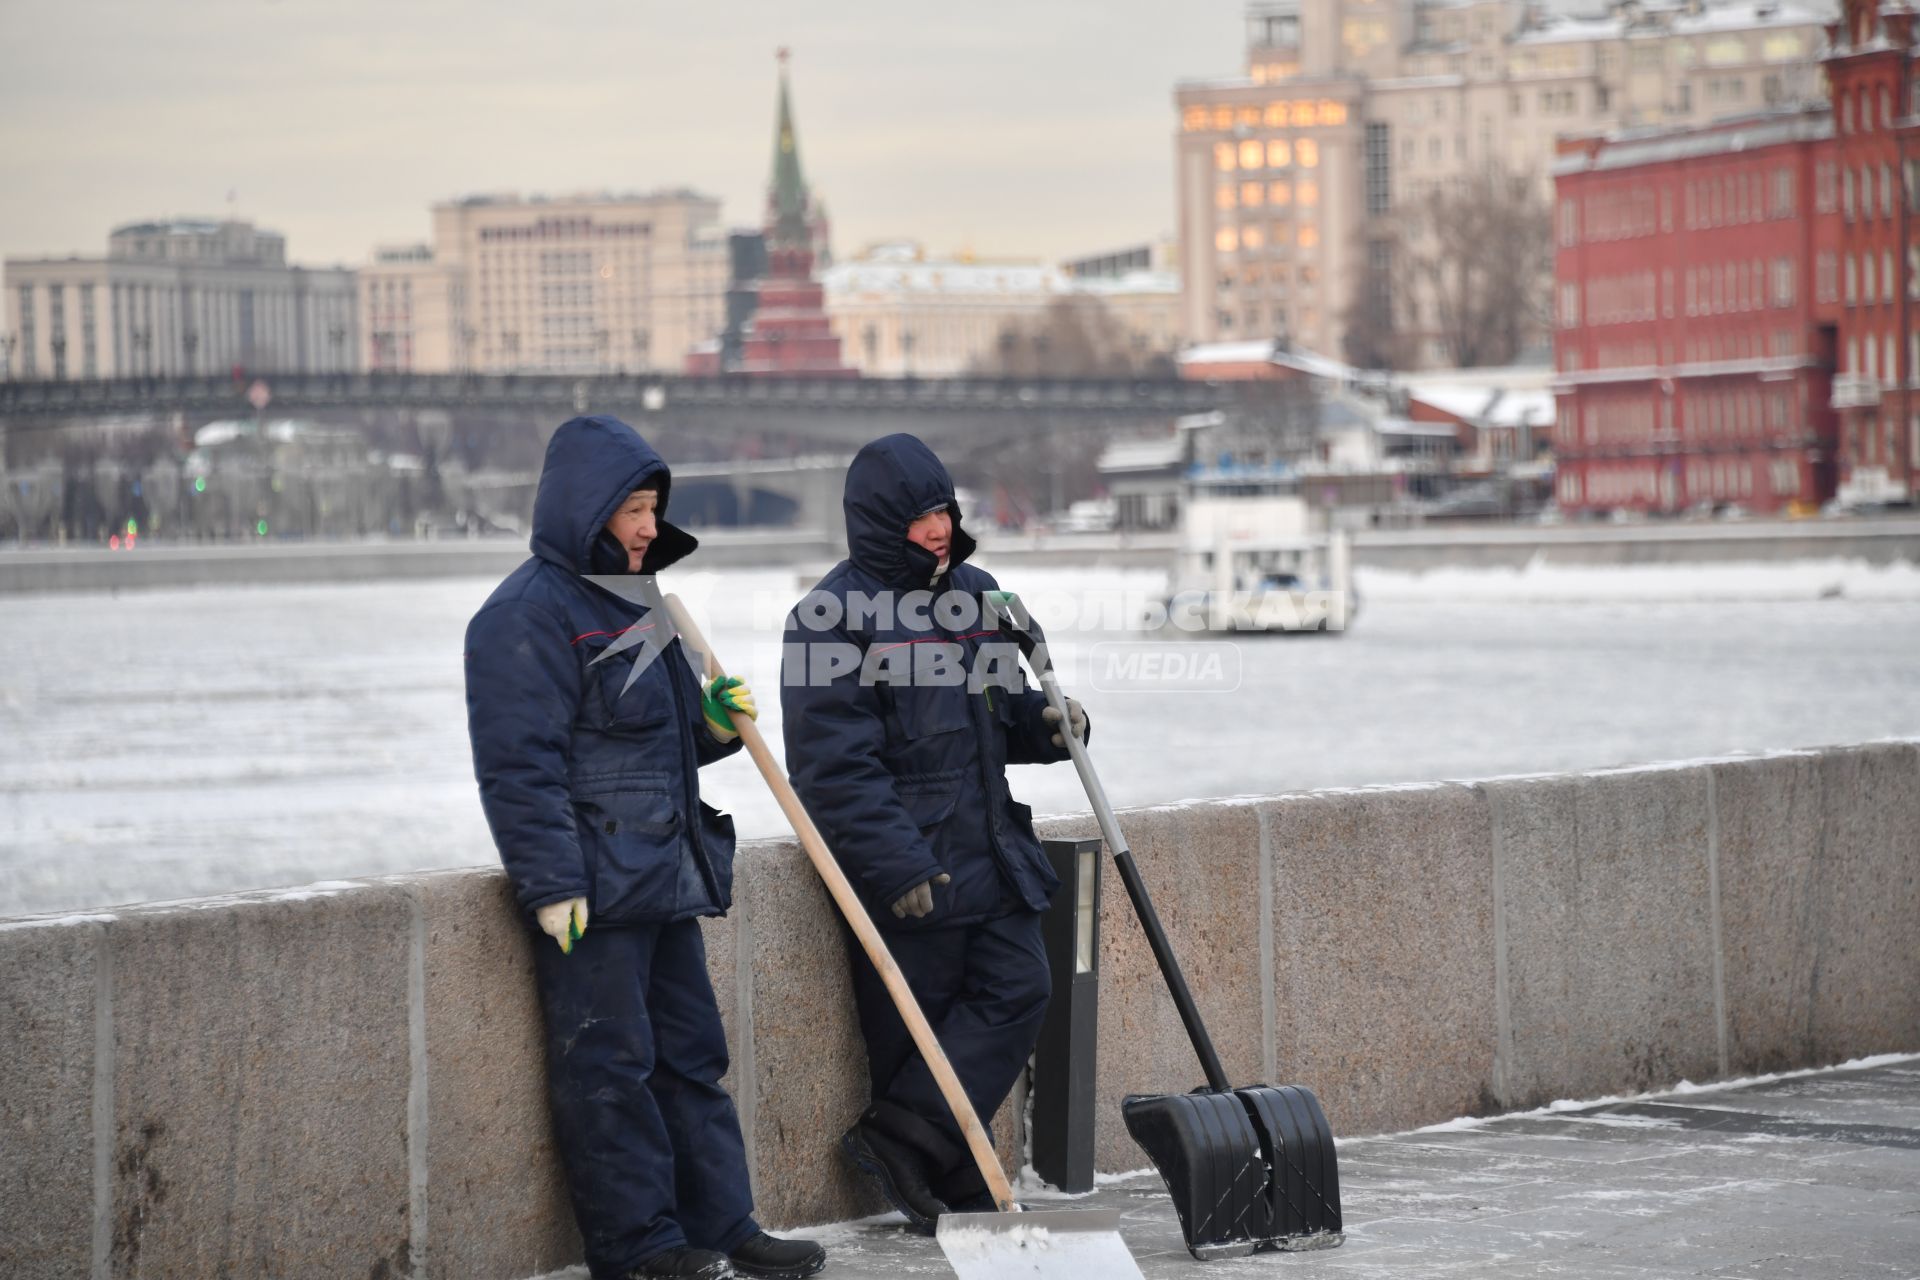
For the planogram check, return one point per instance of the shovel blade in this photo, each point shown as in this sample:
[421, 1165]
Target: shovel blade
[1247, 1168]
[1047, 1245]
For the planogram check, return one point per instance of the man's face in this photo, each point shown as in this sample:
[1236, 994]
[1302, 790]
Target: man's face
[934, 531]
[633, 526]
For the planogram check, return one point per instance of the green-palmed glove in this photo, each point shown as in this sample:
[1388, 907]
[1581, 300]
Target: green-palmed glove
[724, 694]
[564, 922]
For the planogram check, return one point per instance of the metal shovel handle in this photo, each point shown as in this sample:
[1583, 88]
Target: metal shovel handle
[855, 912]
[1123, 861]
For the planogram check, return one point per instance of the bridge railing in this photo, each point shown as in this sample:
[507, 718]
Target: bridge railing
[629, 391]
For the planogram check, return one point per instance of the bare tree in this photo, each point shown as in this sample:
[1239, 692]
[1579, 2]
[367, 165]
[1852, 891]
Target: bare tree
[1378, 318]
[1470, 266]
[1075, 337]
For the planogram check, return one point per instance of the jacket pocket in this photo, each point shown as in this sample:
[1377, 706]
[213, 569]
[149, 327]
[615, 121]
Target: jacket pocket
[633, 840]
[617, 699]
[928, 711]
[1022, 817]
[716, 837]
[929, 808]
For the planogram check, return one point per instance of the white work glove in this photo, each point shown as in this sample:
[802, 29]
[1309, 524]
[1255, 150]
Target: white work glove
[564, 922]
[1052, 717]
[917, 901]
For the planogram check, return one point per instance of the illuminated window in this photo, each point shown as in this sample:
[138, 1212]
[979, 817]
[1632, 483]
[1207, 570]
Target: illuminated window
[1223, 117]
[1252, 237]
[1309, 237]
[1279, 154]
[1252, 154]
[1253, 194]
[1276, 116]
[1309, 194]
[1333, 113]
[1223, 197]
[1280, 193]
[1225, 157]
[1363, 35]
[1726, 52]
[1248, 116]
[1195, 118]
[1308, 153]
[1226, 240]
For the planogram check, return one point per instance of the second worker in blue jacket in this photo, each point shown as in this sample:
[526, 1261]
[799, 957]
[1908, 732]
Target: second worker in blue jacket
[902, 707]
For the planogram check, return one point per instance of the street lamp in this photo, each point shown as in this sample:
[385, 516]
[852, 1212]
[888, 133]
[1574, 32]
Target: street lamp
[191, 341]
[906, 352]
[6, 344]
[642, 341]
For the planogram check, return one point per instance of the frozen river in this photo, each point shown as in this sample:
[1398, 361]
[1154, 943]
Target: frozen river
[175, 743]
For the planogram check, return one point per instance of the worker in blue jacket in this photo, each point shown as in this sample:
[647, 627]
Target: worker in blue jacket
[588, 729]
[902, 707]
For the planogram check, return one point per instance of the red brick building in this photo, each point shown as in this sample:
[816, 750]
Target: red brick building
[1734, 301]
[1877, 380]
[1694, 308]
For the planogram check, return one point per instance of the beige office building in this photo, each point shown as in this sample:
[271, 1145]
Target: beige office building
[1348, 110]
[902, 313]
[179, 297]
[589, 283]
[413, 312]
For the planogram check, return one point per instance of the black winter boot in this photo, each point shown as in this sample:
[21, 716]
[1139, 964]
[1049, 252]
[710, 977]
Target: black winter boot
[897, 1171]
[684, 1263]
[761, 1255]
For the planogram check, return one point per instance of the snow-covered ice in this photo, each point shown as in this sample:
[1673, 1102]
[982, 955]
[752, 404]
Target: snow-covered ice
[166, 744]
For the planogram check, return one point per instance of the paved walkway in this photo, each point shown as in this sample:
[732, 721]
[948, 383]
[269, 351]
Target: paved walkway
[1814, 1176]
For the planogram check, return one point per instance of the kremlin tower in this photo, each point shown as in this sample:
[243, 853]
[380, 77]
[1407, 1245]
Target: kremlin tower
[777, 320]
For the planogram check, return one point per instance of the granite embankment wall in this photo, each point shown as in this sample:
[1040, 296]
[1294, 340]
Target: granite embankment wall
[345, 1080]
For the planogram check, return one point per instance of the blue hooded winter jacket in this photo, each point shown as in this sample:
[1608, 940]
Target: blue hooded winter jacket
[588, 773]
[902, 768]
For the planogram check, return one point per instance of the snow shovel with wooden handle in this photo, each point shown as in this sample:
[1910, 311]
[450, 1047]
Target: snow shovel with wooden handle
[1249, 1168]
[1046, 1245]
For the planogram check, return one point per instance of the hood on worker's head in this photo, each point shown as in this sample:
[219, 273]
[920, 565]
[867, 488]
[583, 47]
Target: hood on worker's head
[892, 482]
[593, 464]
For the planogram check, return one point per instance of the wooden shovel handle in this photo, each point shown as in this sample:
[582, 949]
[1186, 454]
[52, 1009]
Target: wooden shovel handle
[856, 916]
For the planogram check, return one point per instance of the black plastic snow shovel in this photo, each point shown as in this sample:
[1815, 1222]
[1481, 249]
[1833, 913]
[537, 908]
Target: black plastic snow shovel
[1249, 1168]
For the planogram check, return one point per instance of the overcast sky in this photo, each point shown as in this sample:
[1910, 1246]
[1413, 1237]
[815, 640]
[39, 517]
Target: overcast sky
[1034, 128]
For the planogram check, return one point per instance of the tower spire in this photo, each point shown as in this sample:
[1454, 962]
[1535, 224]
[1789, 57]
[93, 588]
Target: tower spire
[787, 191]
